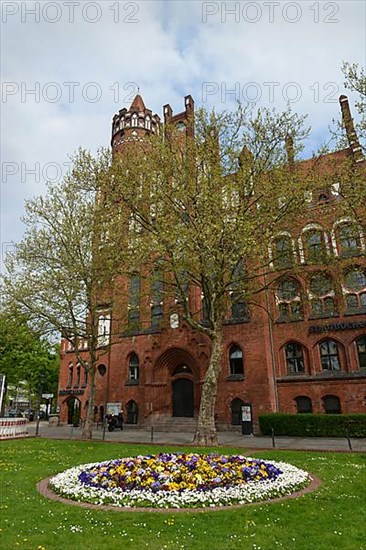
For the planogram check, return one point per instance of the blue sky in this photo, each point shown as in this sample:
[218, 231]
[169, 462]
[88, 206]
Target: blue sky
[85, 61]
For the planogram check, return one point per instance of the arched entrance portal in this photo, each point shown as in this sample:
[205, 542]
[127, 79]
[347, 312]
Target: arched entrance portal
[73, 410]
[183, 402]
[175, 376]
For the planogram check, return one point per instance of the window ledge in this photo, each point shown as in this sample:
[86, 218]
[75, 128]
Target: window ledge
[152, 330]
[131, 383]
[236, 321]
[324, 316]
[283, 320]
[140, 332]
[235, 377]
[355, 311]
[353, 254]
[325, 375]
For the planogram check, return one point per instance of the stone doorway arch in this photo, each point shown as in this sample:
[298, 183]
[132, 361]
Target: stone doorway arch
[73, 410]
[176, 381]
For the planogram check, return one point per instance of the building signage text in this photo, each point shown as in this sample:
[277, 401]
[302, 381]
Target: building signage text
[336, 326]
[71, 392]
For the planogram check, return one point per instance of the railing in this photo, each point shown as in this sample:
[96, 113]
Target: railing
[13, 427]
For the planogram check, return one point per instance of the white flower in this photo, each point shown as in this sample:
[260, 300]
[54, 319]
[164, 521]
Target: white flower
[68, 485]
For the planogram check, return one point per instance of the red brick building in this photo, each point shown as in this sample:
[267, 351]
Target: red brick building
[308, 354]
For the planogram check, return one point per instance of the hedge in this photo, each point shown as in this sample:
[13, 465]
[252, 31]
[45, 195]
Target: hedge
[313, 425]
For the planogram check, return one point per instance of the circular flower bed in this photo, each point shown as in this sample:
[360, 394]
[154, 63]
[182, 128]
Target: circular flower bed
[173, 480]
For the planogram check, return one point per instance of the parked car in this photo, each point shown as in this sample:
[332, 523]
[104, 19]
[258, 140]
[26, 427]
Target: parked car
[12, 413]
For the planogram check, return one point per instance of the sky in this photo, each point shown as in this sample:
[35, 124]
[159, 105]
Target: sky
[68, 67]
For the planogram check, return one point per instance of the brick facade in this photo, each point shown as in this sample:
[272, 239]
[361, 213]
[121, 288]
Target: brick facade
[315, 352]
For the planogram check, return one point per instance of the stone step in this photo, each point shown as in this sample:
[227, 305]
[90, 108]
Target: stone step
[173, 424]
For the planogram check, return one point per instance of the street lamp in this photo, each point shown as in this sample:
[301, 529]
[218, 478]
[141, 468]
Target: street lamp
[41, 380]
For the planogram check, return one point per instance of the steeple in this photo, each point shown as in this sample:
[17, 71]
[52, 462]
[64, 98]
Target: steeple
[133, 124]
[138, 104]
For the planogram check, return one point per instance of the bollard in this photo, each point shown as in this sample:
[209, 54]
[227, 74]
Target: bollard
[152, 434]
[273, 438]
[104, 427]
[349, 439]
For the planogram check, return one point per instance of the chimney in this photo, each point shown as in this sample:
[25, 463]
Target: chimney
[354, 144]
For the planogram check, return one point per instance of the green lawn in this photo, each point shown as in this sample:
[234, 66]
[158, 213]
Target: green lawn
[332, 517]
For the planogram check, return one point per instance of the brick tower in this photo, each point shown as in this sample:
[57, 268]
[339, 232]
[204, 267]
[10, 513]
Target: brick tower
[133, 124]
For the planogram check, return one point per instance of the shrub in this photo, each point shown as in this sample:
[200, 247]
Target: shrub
[314, 425]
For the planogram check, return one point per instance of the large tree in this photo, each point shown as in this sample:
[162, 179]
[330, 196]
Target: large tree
[201, 211]
[25, 356]
[60, 273]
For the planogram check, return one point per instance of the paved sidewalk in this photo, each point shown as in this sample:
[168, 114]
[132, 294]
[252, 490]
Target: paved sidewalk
[229, 439]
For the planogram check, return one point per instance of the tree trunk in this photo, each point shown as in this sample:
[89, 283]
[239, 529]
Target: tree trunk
[89, 420]
[206, 433]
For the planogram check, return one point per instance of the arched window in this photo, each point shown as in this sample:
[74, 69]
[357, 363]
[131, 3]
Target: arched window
[329, 355]
[133, 368]
[181, 127]
[355, 290]
[132, 412]
[157, 295]
[314, 242]
[86, 372]
[134, 302]
[204, 309]
[283, 256]
[102, 369]
[104, 329]
[331, 404]
[361, 351]
[236, 360]
[348, 240]
[294, 358]
[78, 373]
[322, 296]
[289, 300]
[71, 374]
[235, 407]
[239, 309]
[303, 404]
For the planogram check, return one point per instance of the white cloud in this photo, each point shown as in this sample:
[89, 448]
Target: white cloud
[169, 52]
